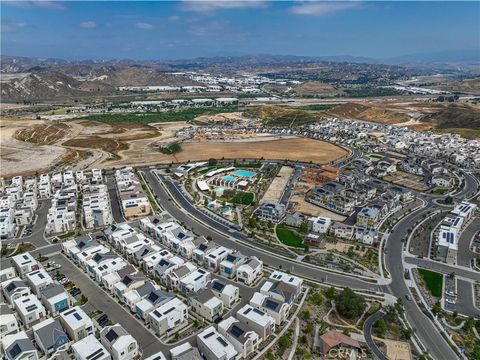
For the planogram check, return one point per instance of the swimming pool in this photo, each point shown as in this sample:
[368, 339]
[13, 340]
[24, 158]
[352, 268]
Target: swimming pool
[229, 178]
[244, 173]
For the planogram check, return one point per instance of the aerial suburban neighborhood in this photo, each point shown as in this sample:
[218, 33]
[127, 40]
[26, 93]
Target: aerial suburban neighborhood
[176, 185]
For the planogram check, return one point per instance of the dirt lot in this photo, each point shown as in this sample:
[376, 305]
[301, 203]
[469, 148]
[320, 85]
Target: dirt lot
[408, 180]
[277, 186]
[319, 152]
[18, 157]
[398, 350]
[313, 210]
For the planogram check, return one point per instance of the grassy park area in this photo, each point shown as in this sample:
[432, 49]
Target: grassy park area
[289, 237]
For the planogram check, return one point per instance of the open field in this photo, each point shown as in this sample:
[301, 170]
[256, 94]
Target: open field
[319, 152]
[19, 157]
[433, 281]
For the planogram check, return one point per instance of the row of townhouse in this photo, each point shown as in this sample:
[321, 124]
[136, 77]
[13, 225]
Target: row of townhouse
[18, 202]
[230, 264]
[133, 199]
[97, 211]
[450, 229]
[61, 216]
[239, 336]
[160, 310]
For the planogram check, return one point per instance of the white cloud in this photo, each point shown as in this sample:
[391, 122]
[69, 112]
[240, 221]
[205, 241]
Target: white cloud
[174, 18]
[209, 29]
[314, 8]
[57, 5]
[88, 25]
[209, 6]
[144, 26]
[12, 26]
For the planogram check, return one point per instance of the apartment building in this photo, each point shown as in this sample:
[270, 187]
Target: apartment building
[97, 211]
[206, 304]
[134, 201]
[167, 317]
[50, 336]
[90, 348]
[243, 338]
[262, 323]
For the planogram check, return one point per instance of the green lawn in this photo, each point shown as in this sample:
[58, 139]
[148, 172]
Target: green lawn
[289, 237]
[242, 198]
[433, 281]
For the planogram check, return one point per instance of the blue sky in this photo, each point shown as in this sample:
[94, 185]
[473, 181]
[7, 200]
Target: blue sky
[172, 30]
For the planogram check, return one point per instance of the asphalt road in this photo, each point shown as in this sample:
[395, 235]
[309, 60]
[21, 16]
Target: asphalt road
[445, 269]
[465, 303]
[36, 237]
[367, 332]
[98, 299]
[425, 329]
[114, 201]
[465, 255]
[185, 215]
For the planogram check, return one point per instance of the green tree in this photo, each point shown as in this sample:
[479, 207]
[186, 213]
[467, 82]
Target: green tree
[381, 327]
[303, 227]
[349, 304]
[330, 293]
[305, 315]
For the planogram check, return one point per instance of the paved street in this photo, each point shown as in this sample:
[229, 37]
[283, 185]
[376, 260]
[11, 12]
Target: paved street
[465, 302]
[465, 255]
[100, 300]
[186, 217]
[444, 268]
[37, 237]
[425, 329]
[114, 201]
[367, 332]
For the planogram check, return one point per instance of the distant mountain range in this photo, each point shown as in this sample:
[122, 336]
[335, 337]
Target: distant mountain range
[36, 79]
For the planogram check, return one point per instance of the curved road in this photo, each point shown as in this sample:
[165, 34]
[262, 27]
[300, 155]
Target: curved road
[224, 235]
[188, 214]
[367, 332]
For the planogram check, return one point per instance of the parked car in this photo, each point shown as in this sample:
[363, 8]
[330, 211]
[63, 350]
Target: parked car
[451, 302]
[42, 258]
[408, 297]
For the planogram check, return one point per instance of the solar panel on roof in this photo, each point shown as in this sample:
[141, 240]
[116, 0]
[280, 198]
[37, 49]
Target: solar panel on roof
[156, 313]
[209, 335]
[31, 308]
[15, 351]
[11, 287]
[95, 354]
[270, 304]
[152, 297]
[236, 331]
[111, 335]
[77, 316]
[41, 276]
[221, 341]
[126, 280]
[247, 311]
[258, 311]
[231, 258]
[69, 312]
[217, 286]
[169, 311]
[198, 277]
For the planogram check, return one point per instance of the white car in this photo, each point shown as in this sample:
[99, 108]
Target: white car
[450, 293]
[451, 302]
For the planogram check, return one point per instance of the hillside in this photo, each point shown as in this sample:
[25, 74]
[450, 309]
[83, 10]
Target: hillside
[277, 116]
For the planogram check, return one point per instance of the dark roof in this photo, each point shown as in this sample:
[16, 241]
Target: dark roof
[50, 333]
[52, 290]
[18, 347]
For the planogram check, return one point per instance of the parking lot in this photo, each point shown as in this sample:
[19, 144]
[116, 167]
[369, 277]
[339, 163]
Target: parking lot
[99, 300]
[450, 294]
